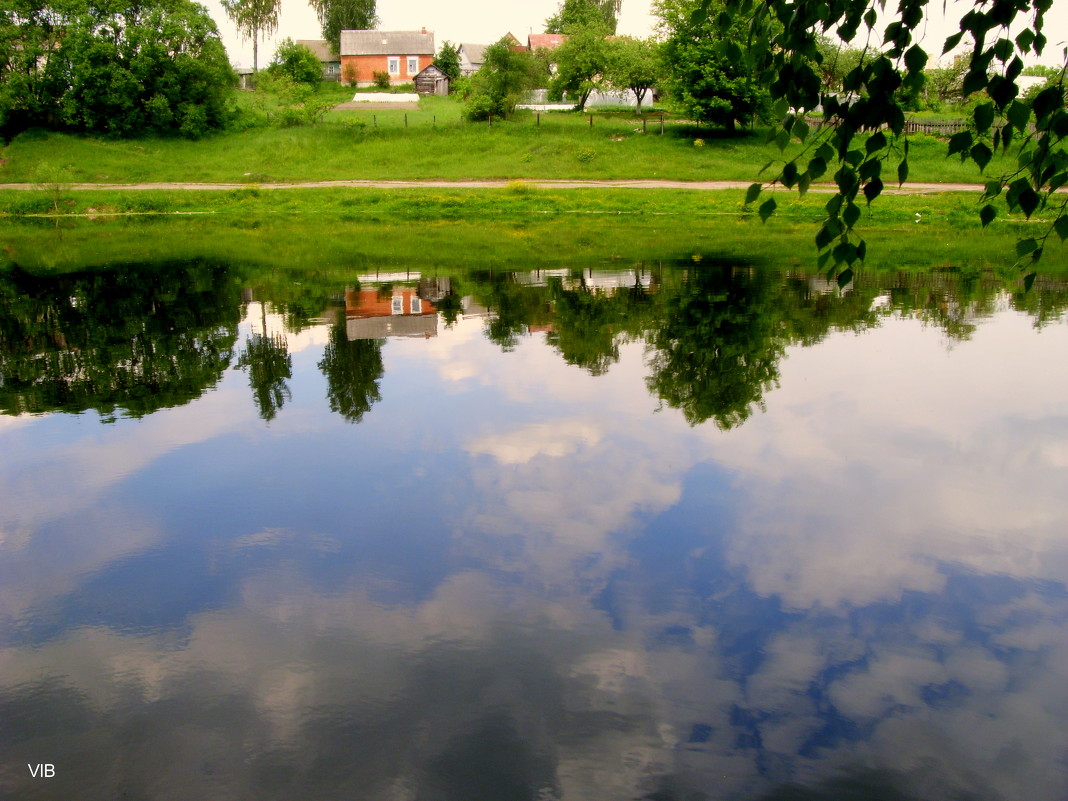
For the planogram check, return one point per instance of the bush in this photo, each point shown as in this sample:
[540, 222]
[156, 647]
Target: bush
[296, 62]
[120, 71]
[505, 76]
[381, 80]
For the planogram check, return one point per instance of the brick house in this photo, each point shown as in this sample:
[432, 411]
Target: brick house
[400, 54]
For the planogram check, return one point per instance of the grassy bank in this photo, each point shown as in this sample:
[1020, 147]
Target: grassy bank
[317, 229]
[434, 143]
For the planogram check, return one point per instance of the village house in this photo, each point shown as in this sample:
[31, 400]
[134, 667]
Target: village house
[329, 60]
[545, 41]
[472, 57]
[400, 54]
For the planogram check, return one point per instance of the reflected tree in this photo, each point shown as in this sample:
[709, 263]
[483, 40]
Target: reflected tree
[267, 360]
[516, 307]
[718, 350]
[589, 326]
[353, 370]
[135, 338]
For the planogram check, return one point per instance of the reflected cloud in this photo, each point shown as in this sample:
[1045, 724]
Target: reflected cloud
[843, 513]
[552, 440]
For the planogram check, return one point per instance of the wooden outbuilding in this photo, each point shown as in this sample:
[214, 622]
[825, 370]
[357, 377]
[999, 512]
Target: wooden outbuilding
[432, 81]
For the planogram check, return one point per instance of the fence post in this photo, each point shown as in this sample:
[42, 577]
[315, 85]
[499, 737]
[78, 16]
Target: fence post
[661, 124]
[645, 127]
[490, 119]
[591, 120]
[405, 119]
[538, 118]
[375, 118]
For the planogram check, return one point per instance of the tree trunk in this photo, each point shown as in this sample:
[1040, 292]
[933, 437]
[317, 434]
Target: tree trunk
[640, 94]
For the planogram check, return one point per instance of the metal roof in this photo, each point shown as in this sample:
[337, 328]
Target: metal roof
[320, 47]
[387, 43]
[475, 52]
[550, 41]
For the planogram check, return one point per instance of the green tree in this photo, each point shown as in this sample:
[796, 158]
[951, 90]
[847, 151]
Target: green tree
[132, 339]
[30, 84]
[297, 62]
[719, 348]
[707, 75]
[946, 84]
[253, 18]
[867, 133]
[267, 360]
[836, 61]
[581, 63]
[448, 60]
[336, 16]
[353, 370]
[634, 64]
[574, 14]
[500, 83]
[157, 67]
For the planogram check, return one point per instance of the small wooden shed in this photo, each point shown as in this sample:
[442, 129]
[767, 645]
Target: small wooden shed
[432, 81]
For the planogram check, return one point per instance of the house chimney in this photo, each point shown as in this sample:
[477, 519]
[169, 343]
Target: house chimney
[424, 29]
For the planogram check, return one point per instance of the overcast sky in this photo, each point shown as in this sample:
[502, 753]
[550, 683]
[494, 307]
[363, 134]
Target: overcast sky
[486, 21]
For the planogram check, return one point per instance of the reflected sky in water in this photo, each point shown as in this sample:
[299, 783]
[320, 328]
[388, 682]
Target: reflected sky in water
[512, 572]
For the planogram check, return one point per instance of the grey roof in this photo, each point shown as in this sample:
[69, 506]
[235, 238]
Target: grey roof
[386, 43]
[475, 53]
[320, 47]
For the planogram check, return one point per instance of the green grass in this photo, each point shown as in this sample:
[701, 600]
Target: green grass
[316, 229]
[434, 143]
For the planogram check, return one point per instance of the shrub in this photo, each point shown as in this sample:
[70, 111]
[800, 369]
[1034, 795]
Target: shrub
[296, 62]
[505, 76]
[381, 80]
[119, 70]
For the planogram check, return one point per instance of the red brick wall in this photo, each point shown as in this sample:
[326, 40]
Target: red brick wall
[367, 66]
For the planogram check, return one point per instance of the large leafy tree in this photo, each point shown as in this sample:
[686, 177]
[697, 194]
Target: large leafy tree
[254, 19]
[635, 64]
[336, 16]
[719, 348]
[501, 81]
[574, 14]
[353, 370]
[706, 74]
[865, 130]
[118, 69]
[581, 62]
[296, 62]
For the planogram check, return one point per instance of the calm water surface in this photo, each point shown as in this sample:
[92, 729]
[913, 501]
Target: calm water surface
[656, 531]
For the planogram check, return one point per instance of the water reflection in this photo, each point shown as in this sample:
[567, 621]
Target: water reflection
[551, 561]
[137, 338]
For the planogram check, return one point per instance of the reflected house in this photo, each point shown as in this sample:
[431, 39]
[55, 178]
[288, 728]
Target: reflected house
[609, 281]
[598, 281]
[402, 311]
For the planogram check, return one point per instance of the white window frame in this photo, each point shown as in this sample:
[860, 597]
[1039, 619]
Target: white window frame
[393, 65]
[413, 61]
[398, 304]
[416, 305]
